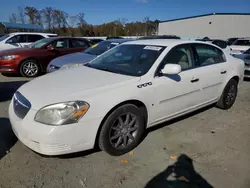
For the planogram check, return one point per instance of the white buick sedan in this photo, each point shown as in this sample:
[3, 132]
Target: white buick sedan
[110, 101]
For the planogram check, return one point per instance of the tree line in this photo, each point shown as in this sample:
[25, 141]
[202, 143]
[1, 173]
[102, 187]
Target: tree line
[60, 22]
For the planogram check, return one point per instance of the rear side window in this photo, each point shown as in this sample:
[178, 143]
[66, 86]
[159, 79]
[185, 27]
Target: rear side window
[34, 38]
[242, 43]
[18, 39]
[207, 54]
[79, 43]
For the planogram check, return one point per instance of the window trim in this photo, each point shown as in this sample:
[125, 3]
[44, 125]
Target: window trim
[157, 70]
[197, 65]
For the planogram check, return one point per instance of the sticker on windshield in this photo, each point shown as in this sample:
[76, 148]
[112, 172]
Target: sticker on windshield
[93, 46]
[156, 48]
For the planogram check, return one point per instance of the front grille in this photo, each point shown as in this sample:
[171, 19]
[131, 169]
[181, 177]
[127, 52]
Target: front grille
[21, 105]
[247, 72]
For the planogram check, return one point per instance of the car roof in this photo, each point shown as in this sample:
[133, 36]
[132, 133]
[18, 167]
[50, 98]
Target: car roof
[166, 42]
[119, 40]
[245, 38]
[29, 33]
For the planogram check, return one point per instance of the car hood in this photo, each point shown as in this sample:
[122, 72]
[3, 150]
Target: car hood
[245, 57]
[14, 51]
[78, 83]
[74, 58]
[7, 46]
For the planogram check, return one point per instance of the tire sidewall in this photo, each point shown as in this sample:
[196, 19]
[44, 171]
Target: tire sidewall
[21, 68]
[230, 83]
[104, 141]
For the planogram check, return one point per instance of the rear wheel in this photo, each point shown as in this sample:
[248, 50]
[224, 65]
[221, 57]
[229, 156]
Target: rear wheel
[29, 68]
[122, 131]
[229, 95]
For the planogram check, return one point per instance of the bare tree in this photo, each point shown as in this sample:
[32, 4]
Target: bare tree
[21, 15]
[13, 18]
[31, 12]
[48, 17]
[81, 22]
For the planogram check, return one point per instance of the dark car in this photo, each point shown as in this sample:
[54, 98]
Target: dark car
[83, 57]
[230, 41]
[160, 37]
[34, 59]
[94, 41]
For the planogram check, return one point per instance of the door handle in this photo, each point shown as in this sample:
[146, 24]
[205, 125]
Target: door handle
[195, 80]
[223, 72]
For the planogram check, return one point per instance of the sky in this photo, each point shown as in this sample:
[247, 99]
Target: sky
[102, 11]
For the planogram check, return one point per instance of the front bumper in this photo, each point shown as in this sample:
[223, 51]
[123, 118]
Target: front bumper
[54, 140]
[9, 66]
[247, 71]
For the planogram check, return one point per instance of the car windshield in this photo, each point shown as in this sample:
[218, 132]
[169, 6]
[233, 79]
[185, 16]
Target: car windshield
[247, 51]
[242, 43]
[99, 48]
[40, 43]
[128, 59]
[4, 37]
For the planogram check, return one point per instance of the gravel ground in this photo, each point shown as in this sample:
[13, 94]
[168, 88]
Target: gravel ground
[215, 140]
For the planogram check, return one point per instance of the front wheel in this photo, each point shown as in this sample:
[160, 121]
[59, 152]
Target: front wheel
[122, 131]
[229, 95]
[29, 68]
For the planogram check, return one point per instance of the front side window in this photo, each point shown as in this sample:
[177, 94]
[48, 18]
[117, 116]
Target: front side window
[60, 44]
[17, 39]
[34, 38]
[130, 59]
[207, 54]
[79, 43]
[181, 55]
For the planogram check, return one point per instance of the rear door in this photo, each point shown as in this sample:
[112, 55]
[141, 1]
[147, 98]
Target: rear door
[212, 69]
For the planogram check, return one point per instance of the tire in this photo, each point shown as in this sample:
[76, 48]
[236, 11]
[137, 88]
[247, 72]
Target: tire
[116, 128]
[229, 95]
[29, 68]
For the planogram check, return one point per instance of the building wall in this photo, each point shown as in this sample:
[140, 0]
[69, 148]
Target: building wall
[212, 26]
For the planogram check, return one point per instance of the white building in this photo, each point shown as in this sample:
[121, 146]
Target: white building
[216, 25]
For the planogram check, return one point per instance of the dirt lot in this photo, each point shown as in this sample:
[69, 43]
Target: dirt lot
[217, 142]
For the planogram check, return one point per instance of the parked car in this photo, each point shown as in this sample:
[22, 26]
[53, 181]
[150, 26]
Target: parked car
[246, 58]
[240, 45]
[83, 57]
[94, 41]
[218, 42]
[230, 41]
[159, 37]
[112, 100]
[35, 59]
[21, 39]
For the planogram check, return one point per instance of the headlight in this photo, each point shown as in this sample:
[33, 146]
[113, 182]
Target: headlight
[70, 65]
[8, 57]
[62, 113]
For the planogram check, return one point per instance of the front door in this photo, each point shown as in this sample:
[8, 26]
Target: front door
[176, 94]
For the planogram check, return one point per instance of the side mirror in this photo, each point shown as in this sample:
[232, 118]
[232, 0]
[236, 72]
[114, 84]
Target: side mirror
[171, 69]
[10, 41]
[50, 48]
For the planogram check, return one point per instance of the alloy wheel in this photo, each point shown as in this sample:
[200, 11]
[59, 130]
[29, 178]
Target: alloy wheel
[30, 68]
[124, 131]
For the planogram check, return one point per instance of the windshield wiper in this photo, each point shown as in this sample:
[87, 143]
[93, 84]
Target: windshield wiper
[107, 70]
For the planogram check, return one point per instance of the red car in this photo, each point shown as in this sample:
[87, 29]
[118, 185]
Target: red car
[34, 59]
